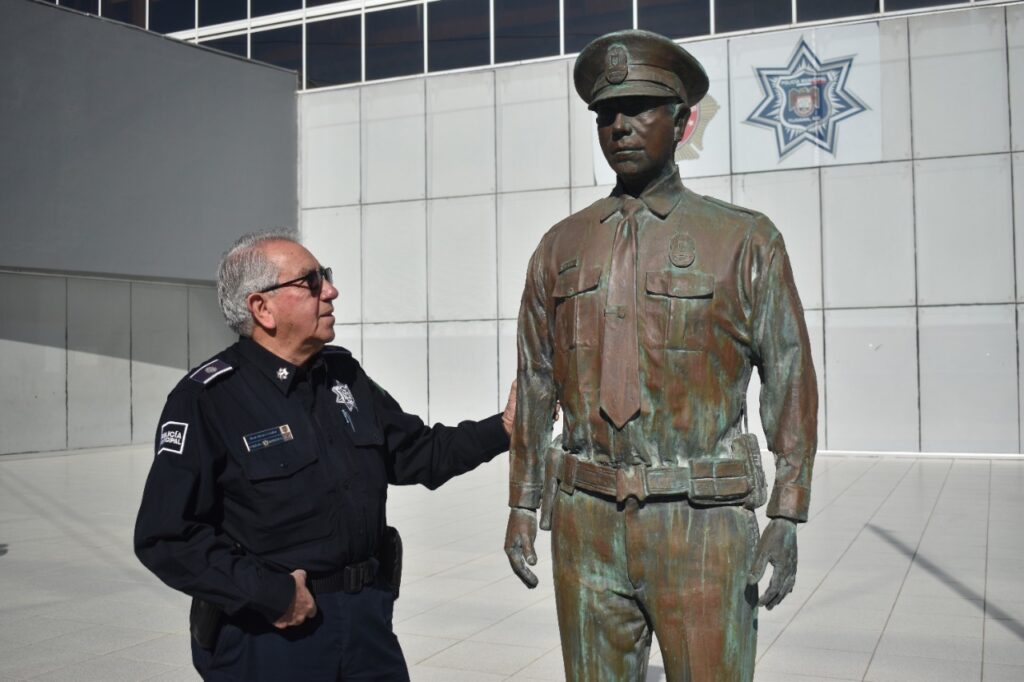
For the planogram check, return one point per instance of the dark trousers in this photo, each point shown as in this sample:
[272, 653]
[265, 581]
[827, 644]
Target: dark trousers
[350, 639]
[625, 571]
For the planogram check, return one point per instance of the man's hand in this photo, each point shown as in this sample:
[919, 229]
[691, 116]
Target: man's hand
[778, 547]
[302, 607]
[519, 539]
[509, 414]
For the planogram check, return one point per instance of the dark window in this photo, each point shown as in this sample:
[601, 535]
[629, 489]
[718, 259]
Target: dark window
[279, 46]
[261, 8]
[525, 29]
[126, 11]
[332, 52]
[458, 34]
[897, 5]
[168, 16]
[813, 10]
[675, 18]
[212, 12]
[91, 6]
[233, 44]
[588, 19]
[315, 3]
[738, 15]
[394, 42]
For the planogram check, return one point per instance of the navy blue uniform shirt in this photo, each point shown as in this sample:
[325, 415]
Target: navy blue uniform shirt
[263, 467]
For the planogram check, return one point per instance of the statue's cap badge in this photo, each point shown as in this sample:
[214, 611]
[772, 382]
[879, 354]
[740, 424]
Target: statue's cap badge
[616, 66]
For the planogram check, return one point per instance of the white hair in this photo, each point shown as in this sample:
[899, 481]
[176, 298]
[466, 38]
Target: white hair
[245, 269]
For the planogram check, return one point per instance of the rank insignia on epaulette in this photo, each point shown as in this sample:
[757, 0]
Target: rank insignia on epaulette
[204, 374]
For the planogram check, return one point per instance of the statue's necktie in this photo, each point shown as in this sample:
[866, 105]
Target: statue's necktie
[620, 354]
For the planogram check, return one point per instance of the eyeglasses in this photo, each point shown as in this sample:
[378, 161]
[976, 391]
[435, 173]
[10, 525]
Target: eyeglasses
[312, 280]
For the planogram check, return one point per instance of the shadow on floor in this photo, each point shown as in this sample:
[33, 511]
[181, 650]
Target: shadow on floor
[988, 608]
[3, 548]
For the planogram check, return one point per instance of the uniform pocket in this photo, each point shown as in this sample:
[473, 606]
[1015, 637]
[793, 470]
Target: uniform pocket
[684, 313]
[575, 322]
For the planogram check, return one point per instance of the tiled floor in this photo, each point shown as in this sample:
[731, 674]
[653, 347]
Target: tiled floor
[910, 569]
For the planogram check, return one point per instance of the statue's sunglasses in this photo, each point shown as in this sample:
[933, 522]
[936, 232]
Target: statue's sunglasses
[312, 280]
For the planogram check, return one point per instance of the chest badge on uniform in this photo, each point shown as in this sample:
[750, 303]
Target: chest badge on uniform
[282, 373]
[682, 251]
[344, 395]
[267, 437]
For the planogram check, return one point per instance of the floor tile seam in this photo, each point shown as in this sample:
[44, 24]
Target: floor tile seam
[935, 504]
[814, 591]
[544, 652]
[984, 588]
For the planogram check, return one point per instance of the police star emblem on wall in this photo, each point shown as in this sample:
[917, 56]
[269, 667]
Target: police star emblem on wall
[692, 143]
[804, 101]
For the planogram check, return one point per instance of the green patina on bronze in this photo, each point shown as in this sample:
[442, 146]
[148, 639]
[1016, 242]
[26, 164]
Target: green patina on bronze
[651, 487]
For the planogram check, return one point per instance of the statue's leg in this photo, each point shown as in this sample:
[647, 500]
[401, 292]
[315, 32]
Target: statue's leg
[605, 636]
[694, 585]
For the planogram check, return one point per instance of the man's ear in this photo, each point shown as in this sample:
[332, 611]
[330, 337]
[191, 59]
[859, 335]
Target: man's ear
[682, 116]
[261, 312]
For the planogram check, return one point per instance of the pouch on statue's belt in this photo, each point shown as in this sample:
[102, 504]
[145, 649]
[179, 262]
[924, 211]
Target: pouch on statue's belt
[738, 480]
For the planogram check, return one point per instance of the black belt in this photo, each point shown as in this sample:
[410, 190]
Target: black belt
[351, 579]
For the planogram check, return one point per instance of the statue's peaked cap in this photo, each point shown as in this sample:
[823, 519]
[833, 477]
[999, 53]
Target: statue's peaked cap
[638, 63]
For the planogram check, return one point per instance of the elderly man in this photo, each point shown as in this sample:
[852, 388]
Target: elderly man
[266, 498]
[643, 315]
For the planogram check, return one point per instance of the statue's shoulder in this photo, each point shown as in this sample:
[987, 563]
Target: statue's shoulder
[594, 213]
[754, 223]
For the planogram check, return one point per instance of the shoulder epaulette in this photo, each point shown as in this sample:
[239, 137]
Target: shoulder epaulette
[207, 372]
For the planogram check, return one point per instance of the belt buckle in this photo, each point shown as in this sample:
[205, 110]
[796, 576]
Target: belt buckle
[631, 482]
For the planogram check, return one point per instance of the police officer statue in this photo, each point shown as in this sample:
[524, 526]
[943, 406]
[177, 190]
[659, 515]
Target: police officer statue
[643, 316]
[266, 498]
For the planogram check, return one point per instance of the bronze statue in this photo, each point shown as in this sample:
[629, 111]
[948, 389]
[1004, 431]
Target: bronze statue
[642, 316]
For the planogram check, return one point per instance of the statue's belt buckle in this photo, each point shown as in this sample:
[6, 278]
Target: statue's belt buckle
[631, 482]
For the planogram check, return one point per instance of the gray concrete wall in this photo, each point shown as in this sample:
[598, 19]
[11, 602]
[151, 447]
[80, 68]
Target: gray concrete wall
[126, 153]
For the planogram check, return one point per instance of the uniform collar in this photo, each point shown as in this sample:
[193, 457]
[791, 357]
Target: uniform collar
[661, 197]
[280, 372]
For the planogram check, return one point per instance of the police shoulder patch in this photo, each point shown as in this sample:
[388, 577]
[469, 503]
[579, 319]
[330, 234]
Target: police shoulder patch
[172, 437]
[207, 372]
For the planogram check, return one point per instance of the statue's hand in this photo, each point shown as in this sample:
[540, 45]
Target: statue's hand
[778, 547]
[519, 539]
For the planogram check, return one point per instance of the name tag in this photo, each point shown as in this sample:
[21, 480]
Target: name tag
[267, 438]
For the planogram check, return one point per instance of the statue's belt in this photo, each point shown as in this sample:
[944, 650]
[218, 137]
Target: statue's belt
[705, 480]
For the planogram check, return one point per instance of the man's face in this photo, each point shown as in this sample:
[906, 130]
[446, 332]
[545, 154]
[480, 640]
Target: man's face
[638, 136]
[304, 318]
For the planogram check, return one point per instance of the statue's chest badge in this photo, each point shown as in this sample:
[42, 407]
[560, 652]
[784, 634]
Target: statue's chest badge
[683, 250]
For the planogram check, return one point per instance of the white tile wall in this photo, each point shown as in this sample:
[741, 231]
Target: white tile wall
[208, 334]
[969, 379]
[959, 47]
[964, 230]
[507, 357]
[394, 135]
[1015, 45]
[460, 134]
[159, 351]
[868, 234]
[32, 363]
[329, 166]
[394, 262]
[582, 131]
[872, 379]
[523, 218]
[1018, 219]
[581, 197]
[333, 235]
[349, 336]
[791, 200]
[707, 151]
[894, 101]
[461, 255]
[533, 127]
[719, 187]
[99, 376]
[463, 371]
[395, 356]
